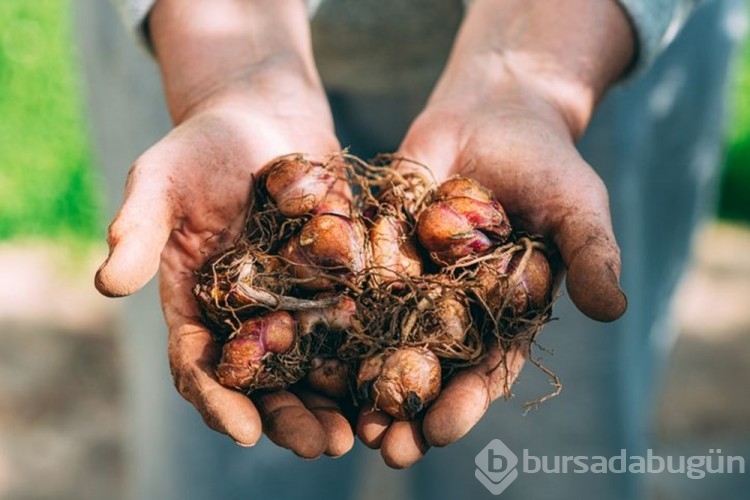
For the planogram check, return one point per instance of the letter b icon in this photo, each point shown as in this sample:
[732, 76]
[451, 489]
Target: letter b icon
[496, 466]
[496, 461]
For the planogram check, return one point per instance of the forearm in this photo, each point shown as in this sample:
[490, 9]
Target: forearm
[569, 52]
[214, 48]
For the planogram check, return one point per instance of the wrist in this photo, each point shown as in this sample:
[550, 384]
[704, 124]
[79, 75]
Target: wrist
[511, 93]
[274, 90]
[211, 51]
[562, 98]
[568, 53]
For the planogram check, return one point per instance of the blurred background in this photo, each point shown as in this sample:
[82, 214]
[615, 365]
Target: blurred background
[62, 427]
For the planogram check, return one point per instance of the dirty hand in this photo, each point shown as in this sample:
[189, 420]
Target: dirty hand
[238, 97]
[518, 90]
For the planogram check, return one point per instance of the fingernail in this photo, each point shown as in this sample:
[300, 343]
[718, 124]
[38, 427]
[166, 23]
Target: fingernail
[623, 297]
[99, 281]
[244, 445]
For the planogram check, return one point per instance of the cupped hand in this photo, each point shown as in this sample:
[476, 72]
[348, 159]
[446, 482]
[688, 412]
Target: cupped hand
[185, 199]
[521, 146]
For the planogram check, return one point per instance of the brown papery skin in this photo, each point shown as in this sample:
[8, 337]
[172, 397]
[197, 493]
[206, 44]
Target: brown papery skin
[276, 331]
[459, 227]
[369, 370]
[297, 185]
[393, 251]
[329, 376]
[454, 320]
[447, 234]
[519, 293]
[463, 187]
[464, 219]
[329, 319]
[402, 382]
[327, 244]
[241, 361]
[338, 200]
[536, 280]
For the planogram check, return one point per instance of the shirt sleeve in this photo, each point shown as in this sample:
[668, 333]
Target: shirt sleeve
[133, 14]
[655, 24]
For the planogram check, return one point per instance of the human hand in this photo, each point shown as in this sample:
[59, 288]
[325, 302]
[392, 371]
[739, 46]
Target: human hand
[187, 196]
[509, 118]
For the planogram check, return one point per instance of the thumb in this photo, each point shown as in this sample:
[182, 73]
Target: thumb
[588, 248]
[137, 234]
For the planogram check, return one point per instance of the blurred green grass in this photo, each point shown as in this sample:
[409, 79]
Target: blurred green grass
[734, 201]
[48, 183]
[48, 186]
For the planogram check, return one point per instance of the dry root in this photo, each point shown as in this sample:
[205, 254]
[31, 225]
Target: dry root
[242, 282]
[389, 292]
[431, 312]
